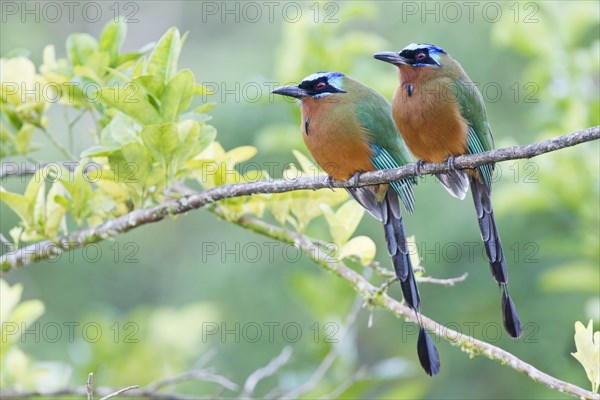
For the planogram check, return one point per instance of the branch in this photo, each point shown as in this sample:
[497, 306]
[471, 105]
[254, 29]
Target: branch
[374, 296]
[151, 391]
[387, 273]
[47, 249]
[199, 375]
[270, 369]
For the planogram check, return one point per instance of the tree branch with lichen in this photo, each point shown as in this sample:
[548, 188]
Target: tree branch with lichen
[29, 254]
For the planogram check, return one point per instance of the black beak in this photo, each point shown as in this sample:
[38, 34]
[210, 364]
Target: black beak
[292, 91]
[391, 57]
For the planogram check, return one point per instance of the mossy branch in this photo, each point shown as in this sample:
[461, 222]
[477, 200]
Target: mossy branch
[14, 258]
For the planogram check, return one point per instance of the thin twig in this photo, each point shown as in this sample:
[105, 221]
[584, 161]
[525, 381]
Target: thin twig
[46, 249]
[199, 375]
[269, 370]
[82, 392]
[205, 358]
[120, 392]
[388, 273]
[346, 384]
[441, 281]
[89, 386]
[57, 144]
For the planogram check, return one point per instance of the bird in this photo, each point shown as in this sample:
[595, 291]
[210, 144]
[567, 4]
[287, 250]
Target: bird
[348, 128]
[441, 114]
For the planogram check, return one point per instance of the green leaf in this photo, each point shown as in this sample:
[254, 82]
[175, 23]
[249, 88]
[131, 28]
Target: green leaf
[27, 312]
[9, 296]
[112, 38]
[177, 96]
[119, 131]
[25, 205]
[188, 135]
[344, 221]
[239, 155]
[23, 138]
[133, 101]
[161, 141]
[204, 108]
[95, 66]
[99, 151]
[55, 211]
[76, 97]
[79, 191]
[307, 166]
[131, 166]
[17, 203]
[138, 68]
[133, 55]
[588, 351]
[362, 247]
[163, 60]
[208, 134]
[152, 84]
[80, 46]
[200, 89]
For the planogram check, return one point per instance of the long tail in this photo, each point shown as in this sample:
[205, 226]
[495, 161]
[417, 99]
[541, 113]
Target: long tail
[493, 248]
[388, 212]
[398, 251]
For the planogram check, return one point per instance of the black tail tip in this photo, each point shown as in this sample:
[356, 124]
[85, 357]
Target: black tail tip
[510, 317]
[428, 354]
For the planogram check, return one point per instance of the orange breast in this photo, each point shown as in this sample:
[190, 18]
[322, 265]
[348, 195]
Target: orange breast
[337, 144]
[429, 119]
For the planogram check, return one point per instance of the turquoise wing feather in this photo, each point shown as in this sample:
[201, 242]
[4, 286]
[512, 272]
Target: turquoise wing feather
[389, 151]
[479, 135]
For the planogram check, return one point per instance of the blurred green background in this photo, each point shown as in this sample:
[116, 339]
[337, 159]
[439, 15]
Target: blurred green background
[538, 67]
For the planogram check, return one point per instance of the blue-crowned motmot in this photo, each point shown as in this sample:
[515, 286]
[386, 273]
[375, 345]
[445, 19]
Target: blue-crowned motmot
[348, 129]
[441, 114]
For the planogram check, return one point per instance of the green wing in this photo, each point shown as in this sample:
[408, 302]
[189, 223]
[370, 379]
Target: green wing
[479, 135]
[389, 151]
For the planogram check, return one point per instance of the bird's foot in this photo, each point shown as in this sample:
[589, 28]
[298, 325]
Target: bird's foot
[419, 164]
[450, 163]
[330, 182]
[355, 178]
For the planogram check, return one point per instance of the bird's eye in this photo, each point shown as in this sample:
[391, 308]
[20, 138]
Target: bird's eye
[320, 86]
[421, 56]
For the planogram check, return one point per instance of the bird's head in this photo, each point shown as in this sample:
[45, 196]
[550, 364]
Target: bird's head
[318, 85]
[414, 55]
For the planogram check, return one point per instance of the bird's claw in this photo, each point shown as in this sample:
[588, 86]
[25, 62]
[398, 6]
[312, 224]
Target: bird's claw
[450, 163]
[330, 182]
[419, 165]
[355, 178]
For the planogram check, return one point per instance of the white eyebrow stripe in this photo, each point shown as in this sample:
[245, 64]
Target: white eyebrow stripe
[415, 46]
[315, 76]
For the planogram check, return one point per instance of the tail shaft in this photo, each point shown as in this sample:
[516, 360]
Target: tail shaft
[398, 250]
[495, 254]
